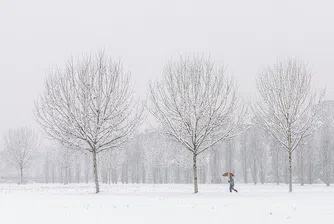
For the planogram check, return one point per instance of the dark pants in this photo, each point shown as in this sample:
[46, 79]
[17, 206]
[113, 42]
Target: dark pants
[232, 188]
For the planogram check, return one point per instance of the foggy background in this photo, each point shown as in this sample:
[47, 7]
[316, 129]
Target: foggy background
[38, 35]
[149, 178]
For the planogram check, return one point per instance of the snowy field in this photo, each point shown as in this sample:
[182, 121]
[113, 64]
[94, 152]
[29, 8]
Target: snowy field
[170, 204]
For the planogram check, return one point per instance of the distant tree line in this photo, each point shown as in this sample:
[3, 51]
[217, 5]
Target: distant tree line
[203, 128]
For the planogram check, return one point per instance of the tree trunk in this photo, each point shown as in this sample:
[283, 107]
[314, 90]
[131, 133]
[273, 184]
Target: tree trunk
[96, 178]
[290, 155]
[262, 173]
[66, 176]
[78, 173]
[21, 175]
[61, 175]
[254, 172]
[138, 177]
[327, 171]
[53, 174]
[160, 172]
[195, 173]
[114, 176]
[310, 174]
[46, 174]
[166, 175]
[178, 175]
[245, 175]
[69, 175]
[327, 165]
[143, 174]
[301, 164]
[154, 175]
[125, 173]
[290, 171]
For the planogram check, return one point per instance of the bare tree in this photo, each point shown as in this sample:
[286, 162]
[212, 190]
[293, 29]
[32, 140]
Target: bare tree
[21, 148]
[197, 104]
[287, 108]
[88, 106]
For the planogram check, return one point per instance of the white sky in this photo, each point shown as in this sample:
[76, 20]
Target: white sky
[36, 35]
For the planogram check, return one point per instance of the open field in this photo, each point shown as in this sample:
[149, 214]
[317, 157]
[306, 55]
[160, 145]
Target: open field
[160, 204]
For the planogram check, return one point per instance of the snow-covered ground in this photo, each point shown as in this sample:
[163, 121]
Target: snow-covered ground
[160, 204]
